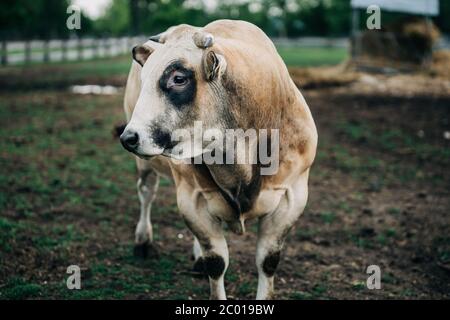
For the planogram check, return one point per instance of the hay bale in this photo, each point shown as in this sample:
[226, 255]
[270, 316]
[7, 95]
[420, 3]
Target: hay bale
[322, 77]
[405, 41]
[440, 65]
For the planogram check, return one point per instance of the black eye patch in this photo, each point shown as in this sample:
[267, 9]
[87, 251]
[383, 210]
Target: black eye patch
[183, 96]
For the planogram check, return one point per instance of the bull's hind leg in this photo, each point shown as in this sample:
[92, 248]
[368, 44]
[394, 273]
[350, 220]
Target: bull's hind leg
[147, 186]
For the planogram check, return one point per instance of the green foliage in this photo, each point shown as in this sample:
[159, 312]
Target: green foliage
[46, 18]
[443, 20]
[116, 19]
[33, 19]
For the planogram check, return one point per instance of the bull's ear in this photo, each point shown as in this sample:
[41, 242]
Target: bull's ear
[161, 37]
[141, 53]
[155, 38]
[214, 65]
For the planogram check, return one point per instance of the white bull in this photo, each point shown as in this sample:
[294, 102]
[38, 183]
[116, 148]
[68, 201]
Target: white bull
[225, 75]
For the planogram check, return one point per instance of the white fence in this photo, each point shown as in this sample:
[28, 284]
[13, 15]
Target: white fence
[25, 52]
[38, 51]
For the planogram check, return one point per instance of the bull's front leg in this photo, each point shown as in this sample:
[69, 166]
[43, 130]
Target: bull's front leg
[197, 253]
[268, 252]
[214, 249]
[147, 187]
[272, 233]
[216, 264]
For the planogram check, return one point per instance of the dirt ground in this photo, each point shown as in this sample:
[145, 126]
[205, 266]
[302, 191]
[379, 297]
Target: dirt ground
[379, 195]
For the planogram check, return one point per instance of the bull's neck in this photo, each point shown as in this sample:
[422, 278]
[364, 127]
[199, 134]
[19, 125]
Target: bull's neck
[239, 184]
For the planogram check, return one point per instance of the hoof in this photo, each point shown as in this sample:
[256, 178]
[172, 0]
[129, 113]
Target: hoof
[146, 250]
[198, 270]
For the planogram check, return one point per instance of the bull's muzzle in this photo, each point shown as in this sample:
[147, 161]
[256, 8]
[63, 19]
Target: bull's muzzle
[130, 140]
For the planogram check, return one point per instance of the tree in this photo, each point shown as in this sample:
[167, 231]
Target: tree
[134, 16]
[116, 20]
[33, 19]
[443, 20]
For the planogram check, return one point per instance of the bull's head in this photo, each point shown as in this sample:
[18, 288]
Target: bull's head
[180, 84]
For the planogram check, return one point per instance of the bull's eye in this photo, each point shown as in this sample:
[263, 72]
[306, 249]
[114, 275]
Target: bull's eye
[177, 79]
[178, 84]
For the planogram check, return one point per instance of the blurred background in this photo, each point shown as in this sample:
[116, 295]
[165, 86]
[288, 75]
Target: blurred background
[34, 31]
[379, 189]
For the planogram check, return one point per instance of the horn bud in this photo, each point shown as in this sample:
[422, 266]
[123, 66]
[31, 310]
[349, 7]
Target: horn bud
[203, 39]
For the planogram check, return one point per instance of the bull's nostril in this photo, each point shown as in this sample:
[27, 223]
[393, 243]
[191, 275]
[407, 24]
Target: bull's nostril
[133, 139]
[129, 140]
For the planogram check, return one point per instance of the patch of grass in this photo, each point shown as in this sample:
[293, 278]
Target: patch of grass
[388, 278]
[18, 288]
[305, 234]
[96, 67]
[385, 237]
[356, 165]
[359, 285]
[164, 182]
[319, 290]
[407, 293]
[301, 295]
[63, 75]
[362, 242]
[356, 132]
[99, 294]
[394, 211]
[328, 217]
[382, 239]
[246, 288]
[376, 172]
[58, 236]
[131, 277]
[391, 232]
[9, 230]
[393, 141]
[297, 56]
[442, 247]
[345, 206]
[444, 256]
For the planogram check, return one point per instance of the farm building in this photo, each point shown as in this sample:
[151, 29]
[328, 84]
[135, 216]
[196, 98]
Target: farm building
[405, 41]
